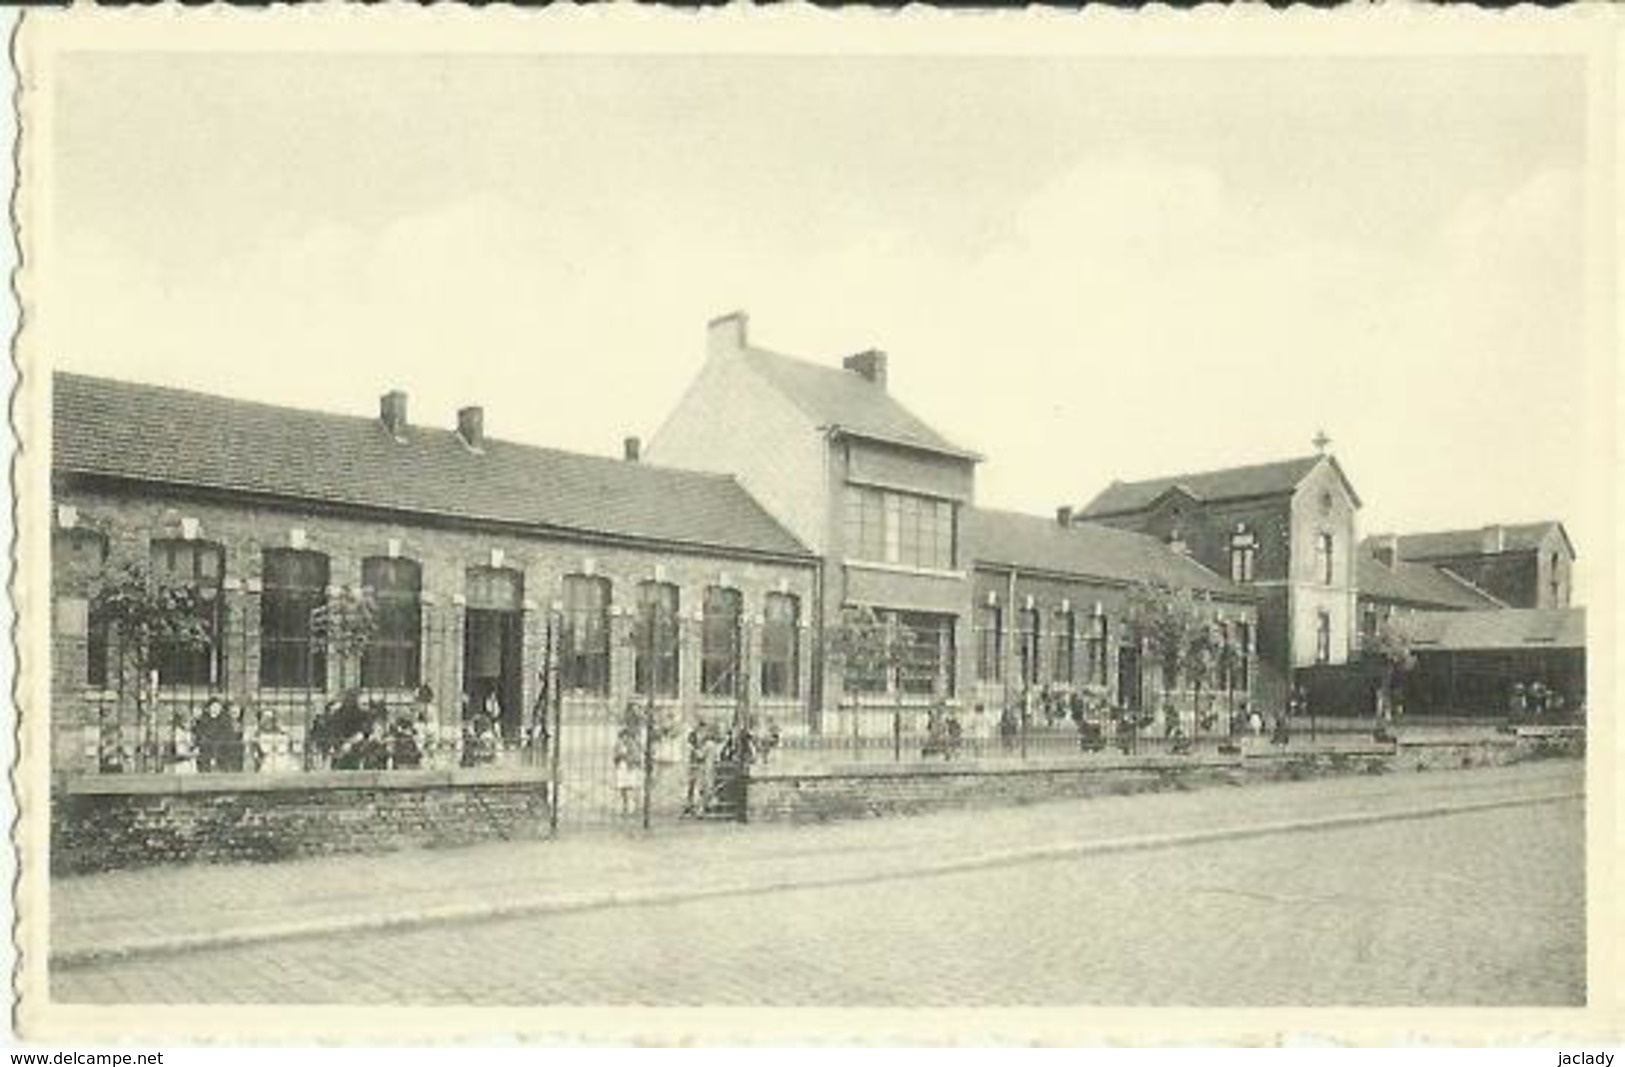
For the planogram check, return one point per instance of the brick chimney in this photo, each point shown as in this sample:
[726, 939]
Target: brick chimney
[1386, 549]
[870, 365]
[727, 334]
[392, 412]
[471, 427]
[1494, 539]
[1063, 515]
[632, 449]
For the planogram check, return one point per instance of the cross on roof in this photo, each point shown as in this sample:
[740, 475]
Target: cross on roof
[1321, 441]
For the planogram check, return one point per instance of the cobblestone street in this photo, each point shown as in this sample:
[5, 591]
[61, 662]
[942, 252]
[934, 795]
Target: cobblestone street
[1482, 907]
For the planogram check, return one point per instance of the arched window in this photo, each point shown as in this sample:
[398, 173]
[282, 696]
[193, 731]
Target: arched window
[1099, 650]
[1062, 665]
[584, 641]
[294, 584]
[393, 657]
[719, 642]
[1323, 637]
[199, 566]
[656, 664]
[1029, 637]
[1325, 564]
[989, 643]
[781, 646]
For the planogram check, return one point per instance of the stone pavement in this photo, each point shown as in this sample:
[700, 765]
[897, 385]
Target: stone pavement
[158, 910]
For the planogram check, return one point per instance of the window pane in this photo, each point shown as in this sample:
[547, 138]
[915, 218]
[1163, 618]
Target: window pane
[719, 652]
[781, 674]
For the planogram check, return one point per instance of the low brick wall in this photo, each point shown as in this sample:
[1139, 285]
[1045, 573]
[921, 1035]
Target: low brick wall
[854, 791]
[105, 823]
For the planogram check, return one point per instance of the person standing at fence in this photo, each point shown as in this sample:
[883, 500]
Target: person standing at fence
[627, 768]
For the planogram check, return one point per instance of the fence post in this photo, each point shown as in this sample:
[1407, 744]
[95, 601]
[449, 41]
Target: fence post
[651, 683]
[897, 735]
[555, 704]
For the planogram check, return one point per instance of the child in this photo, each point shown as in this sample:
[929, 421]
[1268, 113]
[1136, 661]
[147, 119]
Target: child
[627, 771]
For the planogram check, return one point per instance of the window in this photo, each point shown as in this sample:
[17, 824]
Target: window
[1324, 558]
[1323, 637]
[989, 643]
[199, 566]
[1368, 623]
[655, 640]
[1556, 583]
[1242, 676]
[393, 657]
[1243, 556]
[719, 642]
[901, 528]
[494, 589]
[927, 669]
[1099, 650]
[584, 637]
[1066, 646]
[781, 646]
[1028, 640]
[85, 558]
[295, 584]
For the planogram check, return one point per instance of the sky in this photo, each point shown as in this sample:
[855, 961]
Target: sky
[1084, 268]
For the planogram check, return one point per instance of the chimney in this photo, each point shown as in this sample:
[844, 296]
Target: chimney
[632, 449]
[1063, 515]
[1386, 549]
[726, 335]
[870, 365]
[471, 427]
[392, 412]
[1495, 539]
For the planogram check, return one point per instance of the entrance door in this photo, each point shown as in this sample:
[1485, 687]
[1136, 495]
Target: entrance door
[493, 645]
[1128, 677]
[492, 669]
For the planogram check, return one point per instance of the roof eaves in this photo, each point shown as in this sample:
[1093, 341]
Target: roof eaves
[836, 429]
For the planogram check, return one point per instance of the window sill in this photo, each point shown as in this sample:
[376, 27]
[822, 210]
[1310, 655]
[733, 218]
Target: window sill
[903, 568]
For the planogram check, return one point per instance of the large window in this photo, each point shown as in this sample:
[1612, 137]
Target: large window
[1243, 556]
[86, 560]
[901, 528]
[1324, 562]
[989, 643]
[1323, 637]
[199, 566]
[1029, 639]
[655, 661]
[393, 657]
[1099, 650]
[1242, 676]
[781, 646]
[928, 665]
[719, 642]
[294, 586]
[1062, 664]
[584, 639]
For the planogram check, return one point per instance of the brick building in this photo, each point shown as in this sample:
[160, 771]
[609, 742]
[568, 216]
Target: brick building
[486, 560]
[1524, 565]
[998, 603]
[1284, 529]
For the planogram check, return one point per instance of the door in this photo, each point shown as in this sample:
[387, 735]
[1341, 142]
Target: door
[492, 669]
[1128, 677]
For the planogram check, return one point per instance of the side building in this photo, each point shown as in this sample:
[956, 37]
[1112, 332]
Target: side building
[496, 569]
[1285, 529]
[1520, 565]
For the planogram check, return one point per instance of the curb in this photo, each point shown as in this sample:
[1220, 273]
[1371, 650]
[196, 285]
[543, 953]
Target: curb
[578, 902]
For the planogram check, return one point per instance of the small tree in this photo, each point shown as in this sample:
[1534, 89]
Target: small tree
[148, 617]
[346, 624]
[870, 648]
[1174, 624]
[1393, 646]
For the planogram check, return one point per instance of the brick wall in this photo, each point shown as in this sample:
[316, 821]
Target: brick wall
[109, 824]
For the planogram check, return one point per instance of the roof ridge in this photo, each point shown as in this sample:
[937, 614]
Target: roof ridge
[1180, 476]
[422, 428]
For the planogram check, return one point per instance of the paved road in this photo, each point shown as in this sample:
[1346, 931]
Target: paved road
[1476, 908]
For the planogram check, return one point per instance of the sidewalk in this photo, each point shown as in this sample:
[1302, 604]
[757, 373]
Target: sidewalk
[154, 910]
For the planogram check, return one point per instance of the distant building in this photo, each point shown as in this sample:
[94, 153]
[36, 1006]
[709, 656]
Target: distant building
[1285, 529]
[1527, 565]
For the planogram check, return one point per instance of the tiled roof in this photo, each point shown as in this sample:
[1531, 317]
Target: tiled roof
[1261, 479]
[835, 397]
[177, 437]
[1507, 628]
[1087, 550]
[1519, 537]
[1416, 583]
